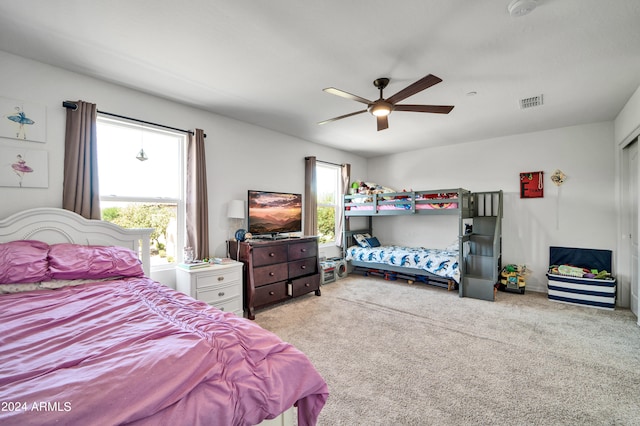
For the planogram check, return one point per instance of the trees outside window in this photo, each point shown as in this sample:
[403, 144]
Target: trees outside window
[143, 194]
[327, 178]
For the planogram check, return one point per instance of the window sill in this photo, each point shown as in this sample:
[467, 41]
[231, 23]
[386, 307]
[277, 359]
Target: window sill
[164, 267]
[327, 244]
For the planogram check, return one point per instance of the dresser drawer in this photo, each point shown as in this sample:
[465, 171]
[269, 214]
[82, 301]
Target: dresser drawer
[230, 305]
[303, 285]
[269, 255]
[303, 250]
[213, 295]
[205, 280]
[303, 267]
[270, 274]
[270, 293]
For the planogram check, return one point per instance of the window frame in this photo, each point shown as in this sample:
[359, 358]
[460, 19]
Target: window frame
[337, 199]
[180, 202]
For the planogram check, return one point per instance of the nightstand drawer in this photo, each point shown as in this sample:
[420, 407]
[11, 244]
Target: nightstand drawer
[303, 250]
[231, 305]
[269, 255]
[216, 294]
[217, 285]
[270, 274]
[220, 278]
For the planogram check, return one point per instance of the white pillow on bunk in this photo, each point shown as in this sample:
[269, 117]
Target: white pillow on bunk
[361, 239]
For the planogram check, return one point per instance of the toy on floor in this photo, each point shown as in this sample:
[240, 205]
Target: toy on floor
[512, 278]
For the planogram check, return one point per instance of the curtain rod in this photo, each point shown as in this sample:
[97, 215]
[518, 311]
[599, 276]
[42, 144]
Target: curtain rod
[328, 162]
[74, 106]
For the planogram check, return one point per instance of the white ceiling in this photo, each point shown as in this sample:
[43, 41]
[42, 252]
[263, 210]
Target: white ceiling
[266, 62]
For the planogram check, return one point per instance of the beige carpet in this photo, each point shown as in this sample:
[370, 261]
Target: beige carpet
[400, 354]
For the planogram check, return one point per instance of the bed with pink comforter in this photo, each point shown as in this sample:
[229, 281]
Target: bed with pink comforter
[128, 350]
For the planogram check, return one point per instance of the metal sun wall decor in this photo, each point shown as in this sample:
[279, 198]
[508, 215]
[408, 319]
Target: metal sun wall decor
[558, 177]
[531, 185]
[22, 120]
[24, 168]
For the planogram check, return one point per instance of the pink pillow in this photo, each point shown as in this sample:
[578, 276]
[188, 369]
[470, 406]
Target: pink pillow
[74, 261]
[24, 261]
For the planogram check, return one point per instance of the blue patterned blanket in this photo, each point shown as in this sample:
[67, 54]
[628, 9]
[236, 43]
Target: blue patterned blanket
[443, 263]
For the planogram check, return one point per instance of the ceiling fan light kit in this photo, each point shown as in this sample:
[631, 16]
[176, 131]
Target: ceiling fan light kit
[382, 107]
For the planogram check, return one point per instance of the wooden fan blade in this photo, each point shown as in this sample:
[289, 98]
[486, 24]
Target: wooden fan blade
[436, 109]
[383, 122]
[347, 95]
[342, 116]
[418, 86]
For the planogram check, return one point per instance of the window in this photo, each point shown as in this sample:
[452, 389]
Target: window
[143, 194]
[327, 178]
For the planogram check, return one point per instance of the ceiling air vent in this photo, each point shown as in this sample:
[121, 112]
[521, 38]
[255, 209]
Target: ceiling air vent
[531, 102]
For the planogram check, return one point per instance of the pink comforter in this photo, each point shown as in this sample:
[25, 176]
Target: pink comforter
[134, 351]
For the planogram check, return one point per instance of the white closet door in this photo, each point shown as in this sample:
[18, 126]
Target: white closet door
[631, 165]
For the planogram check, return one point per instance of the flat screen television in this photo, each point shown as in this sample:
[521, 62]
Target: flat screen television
[274, 213]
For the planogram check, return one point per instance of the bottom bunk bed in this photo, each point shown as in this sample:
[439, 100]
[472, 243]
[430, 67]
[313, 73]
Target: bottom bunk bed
[439, 267]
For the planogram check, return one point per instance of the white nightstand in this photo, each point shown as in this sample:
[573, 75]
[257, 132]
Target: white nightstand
[218, 285]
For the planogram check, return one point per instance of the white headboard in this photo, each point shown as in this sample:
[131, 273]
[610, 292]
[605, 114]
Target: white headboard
[53, 225]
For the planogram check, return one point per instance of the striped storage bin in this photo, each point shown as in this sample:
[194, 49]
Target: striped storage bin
[582, 291]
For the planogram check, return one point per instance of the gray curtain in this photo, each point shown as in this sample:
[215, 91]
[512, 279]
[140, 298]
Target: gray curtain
[310, 197]
[197, 201]
[80, 185]
[345, 177]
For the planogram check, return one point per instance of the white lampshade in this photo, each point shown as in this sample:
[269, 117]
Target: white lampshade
[236, 209]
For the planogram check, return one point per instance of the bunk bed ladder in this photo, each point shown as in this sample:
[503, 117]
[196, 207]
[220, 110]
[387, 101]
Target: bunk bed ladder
[482, 264]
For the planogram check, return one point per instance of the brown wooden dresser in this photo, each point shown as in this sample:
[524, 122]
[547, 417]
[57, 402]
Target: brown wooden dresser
[276, 270]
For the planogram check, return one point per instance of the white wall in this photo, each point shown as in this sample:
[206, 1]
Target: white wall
[581, 213]
[239, 156]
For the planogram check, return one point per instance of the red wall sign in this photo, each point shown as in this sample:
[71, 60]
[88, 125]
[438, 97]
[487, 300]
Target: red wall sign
[531, 185]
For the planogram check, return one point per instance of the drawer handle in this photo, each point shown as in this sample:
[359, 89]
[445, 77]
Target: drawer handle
[220, 278]
[307, 284]
[271, 293]
[221, 294]
[272, 254]
[271, 274]
[303, 267]
[303, 250]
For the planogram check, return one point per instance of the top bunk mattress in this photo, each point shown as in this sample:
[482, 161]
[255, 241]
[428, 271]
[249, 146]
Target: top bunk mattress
[431, 206]
[449, 201]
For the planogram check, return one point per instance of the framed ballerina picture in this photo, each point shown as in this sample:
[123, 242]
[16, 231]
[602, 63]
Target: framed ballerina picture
[24, 168]
[23, 120]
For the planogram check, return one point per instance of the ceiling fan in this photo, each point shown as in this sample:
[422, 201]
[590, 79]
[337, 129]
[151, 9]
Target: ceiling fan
[381, 108]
